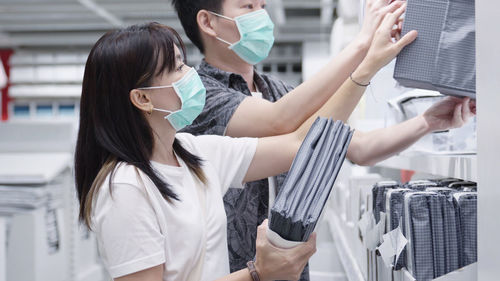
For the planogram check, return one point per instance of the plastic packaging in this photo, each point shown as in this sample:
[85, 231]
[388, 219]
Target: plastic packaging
[442, 58]
[310, 180]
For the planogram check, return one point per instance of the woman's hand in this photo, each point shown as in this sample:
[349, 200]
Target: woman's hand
[383, 49]
[274, 263]
[375, 11]
[449, 113]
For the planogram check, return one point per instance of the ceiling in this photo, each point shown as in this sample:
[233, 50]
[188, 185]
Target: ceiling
[79, 23]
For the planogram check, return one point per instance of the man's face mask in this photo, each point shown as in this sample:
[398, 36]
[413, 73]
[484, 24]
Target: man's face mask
[191, 92]
[256, 36]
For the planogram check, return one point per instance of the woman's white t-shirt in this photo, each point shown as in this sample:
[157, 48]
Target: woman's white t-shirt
[137, 228]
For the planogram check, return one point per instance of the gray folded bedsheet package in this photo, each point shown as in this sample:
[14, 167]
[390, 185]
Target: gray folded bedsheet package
[420, 185]
[379, 191]
[464, 186]
[418, 228]
[446, 181]
[444, 228]
[442, 58]
[310, 180]
[395, 217]
[466, 213]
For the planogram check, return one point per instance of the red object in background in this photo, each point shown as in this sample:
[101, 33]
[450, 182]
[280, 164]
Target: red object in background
[406, 175]
[5, 55]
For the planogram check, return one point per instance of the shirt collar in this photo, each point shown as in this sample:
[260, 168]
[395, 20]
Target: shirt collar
[233, 80]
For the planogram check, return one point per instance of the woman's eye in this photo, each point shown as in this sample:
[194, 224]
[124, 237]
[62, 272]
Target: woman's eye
[180, 67]
[249, 6]
[264, 6]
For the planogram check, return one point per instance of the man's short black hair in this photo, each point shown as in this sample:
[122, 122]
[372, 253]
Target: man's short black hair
[187, 11]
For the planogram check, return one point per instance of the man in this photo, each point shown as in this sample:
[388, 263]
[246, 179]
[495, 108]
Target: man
[234, 108]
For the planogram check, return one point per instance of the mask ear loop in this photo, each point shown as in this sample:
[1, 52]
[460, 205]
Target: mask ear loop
[154, 88]
[224, 17]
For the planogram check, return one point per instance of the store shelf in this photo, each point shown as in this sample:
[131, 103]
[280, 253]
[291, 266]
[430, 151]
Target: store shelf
[467, 273]
[348, 260]
[457, 166]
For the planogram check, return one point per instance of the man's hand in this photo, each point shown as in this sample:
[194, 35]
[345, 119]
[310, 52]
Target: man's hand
[449, 113]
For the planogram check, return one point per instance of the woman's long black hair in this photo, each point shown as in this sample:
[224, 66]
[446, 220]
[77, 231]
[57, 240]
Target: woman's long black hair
[112, 129]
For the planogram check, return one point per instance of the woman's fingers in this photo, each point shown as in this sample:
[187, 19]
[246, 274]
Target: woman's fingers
[473, 106]
[262, 235]
[457, 116]
[306, 250]
[466, 112]
[407, 39]
[392, 18]
[391, 7]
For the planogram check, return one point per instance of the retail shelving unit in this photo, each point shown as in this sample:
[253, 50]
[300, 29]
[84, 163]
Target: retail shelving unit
[481, 167]
[455, 166]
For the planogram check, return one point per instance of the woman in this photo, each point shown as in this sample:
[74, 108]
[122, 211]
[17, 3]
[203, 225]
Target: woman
[154, 196]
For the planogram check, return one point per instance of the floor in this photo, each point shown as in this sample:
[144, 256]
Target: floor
[325, 265]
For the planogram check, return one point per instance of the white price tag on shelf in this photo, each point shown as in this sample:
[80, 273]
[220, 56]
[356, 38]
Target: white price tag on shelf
[393, 245]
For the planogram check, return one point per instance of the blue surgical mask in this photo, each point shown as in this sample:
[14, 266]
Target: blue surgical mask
[256, 36]
[191, 92]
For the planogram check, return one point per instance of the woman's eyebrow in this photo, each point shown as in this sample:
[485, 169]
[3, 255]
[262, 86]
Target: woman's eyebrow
[178, 57]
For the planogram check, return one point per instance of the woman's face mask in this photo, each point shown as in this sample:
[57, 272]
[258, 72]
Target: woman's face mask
[191, 92]
[256, 36]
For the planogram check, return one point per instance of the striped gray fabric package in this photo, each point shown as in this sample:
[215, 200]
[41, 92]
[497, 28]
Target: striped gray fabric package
[310, 180]
[395, 217]
[466, 209]
[418, 224]
[439, 220]
[379, 192]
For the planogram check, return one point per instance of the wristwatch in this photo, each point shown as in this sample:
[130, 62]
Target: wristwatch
[253, 271]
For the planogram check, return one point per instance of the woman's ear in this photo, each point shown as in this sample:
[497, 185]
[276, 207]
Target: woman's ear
[206, 22]
[141, 100]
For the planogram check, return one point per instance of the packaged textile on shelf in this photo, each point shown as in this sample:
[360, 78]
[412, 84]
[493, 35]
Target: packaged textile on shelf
[442, 58]
[446, 181]
[464, 186]
[420, 184]
[395, 217]
[466, 210]
[419, 250]
[445, 241]
[305, 191]
[379, 191]
[438, 218]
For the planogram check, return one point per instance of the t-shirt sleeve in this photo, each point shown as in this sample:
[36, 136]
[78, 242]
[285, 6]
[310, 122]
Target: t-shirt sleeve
[231, 158]
[220, 104]
[128, 231]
